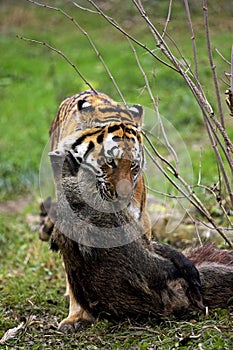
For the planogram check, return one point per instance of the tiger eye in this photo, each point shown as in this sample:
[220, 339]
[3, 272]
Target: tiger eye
[110, 162]
[134, 166]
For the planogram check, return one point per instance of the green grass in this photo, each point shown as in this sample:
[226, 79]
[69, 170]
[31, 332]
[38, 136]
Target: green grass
[33, 81]
[32, 287]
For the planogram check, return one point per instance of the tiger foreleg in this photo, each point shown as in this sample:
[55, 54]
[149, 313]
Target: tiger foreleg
[67, 292]
[77, 316]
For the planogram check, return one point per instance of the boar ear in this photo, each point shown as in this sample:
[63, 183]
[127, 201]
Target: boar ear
[56, 154]
[64, 162]
[57, 158]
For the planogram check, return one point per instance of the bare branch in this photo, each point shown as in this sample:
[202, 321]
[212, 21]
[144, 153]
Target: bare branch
[193, 42]
[167, 19]
[212, 65]
[219, 202]
[192, 199]
[164, 160]
[155, 105]
[232, 68]
[84, 8]
[200, 169]
[195, 225]
[61, 54]
[223, 229]
[211, 131]
[224, 59]
[229, 92]
[184, 63]
[214, 123]
[120, 29]
[158, 38]
[65, 14]
[197, 91]
[205, 107]
[164, 194]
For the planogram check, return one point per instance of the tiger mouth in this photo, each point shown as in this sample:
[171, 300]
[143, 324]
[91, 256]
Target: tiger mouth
[122, 193]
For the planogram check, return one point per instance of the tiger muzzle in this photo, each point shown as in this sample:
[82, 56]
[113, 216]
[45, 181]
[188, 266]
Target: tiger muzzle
[120, 192]
[124, 189]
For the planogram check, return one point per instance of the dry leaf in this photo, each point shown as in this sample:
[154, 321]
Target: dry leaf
[11, 333]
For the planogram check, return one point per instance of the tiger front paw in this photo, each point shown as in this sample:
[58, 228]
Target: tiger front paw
[76, 322]
[72, 325]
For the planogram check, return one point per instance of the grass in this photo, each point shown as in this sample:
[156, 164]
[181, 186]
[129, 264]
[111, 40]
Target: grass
[33, 81]
[32, 287]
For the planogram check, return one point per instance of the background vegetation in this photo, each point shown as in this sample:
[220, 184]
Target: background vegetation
[33, 81]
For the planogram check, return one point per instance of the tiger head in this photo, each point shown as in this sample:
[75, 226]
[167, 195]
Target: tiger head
[115, 158]
[111, 153]
[90, 109]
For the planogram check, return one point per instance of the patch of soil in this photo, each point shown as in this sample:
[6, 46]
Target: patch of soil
[16, 206]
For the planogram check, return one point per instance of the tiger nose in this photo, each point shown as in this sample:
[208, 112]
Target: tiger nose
[123, 188]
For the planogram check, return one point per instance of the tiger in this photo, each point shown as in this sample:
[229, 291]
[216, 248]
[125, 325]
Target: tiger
[99, 144]
[106, 137]
[89, 118]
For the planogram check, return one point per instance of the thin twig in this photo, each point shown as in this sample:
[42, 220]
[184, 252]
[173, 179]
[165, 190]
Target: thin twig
[183, 62]
[213, 126]
[200, 169]
[155, 105]
[198, 93]
[120, 29]
[206, 108]
[77, 25]
[194, 223]
[159, 40]
[171, 196]
[231, 77]
[222, 229]
[219, 202]
[43, 43]
[193, 43]
[193, 199]
[223, 58]
[164, 160]
[196, 229]
[213, 137]
[228, 143]
[168, 18]
[212, 65]
[84, 8]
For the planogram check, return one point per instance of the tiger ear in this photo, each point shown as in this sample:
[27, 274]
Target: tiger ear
[137, 112]
[82, 104]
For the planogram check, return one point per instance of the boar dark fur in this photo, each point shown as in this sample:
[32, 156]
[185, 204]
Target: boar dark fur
[136, 279]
